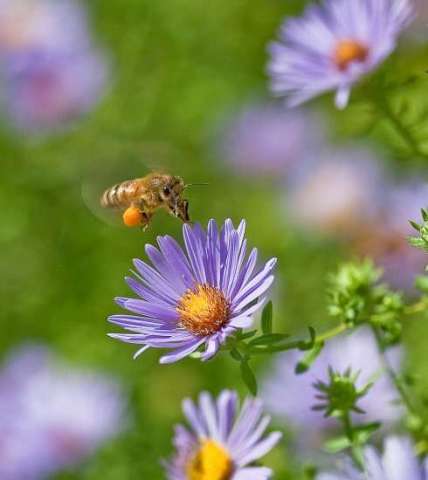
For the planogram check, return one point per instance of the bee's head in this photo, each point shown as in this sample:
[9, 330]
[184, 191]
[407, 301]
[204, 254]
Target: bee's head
[170, 192]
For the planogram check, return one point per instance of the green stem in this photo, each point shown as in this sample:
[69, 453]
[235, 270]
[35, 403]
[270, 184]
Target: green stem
[329, 334]
[356, 450]
[405, 399]
[417, 307]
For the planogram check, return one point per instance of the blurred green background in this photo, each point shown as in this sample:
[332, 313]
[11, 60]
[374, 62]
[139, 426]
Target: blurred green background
[179, 66]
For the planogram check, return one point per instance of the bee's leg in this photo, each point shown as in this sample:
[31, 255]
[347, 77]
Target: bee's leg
[145, 221]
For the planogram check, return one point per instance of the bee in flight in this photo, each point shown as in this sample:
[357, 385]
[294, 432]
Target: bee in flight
[141, 197]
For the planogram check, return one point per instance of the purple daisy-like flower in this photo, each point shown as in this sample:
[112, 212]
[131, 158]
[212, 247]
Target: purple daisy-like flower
[385, 238]
[269, 140]
[194, 298]
[52, 73]
[333, 45]
[398, 462]
[53, 416]
[50, 90]
[336, 191]
[223, 442]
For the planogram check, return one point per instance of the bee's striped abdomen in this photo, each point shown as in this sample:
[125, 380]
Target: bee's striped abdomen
[120, 195]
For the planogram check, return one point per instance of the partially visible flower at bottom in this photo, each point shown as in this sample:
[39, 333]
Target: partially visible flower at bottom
[398, 462]
[194, 299]
[53, 416]
[223, 442]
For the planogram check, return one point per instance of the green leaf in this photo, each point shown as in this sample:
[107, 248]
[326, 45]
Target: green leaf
[246, 335]
[236, 355]
[249, 377]
[269, 339]
[308, 344]
[267, 318]
[337, 444]
[415, 225]
[364, 432]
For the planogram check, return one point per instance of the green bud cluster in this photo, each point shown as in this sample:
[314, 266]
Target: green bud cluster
[421, 241]
[339, 395]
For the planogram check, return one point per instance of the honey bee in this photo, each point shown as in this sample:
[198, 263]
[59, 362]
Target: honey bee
[140, 198]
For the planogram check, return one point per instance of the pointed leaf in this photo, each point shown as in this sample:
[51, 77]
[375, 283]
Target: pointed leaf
[248, 377]
[267, 318]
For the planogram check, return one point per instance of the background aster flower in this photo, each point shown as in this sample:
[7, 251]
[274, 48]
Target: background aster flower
[223, 442]
[291, 397]
[195, 298]
[53, 416]
[336, 191]
[398, 462]
[269, 140]
[333, 45]
[51, 72]
[385, 238]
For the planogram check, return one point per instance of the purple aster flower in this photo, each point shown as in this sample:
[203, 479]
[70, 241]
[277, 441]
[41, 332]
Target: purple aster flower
[333, 45]
[291, 397]
[52, 74]
[50, 90]
[42, 24]
[223, 442]
[336, 192]
[398, 462]
[53, 416]
[386, 238]
[266, 139]
[194, 298]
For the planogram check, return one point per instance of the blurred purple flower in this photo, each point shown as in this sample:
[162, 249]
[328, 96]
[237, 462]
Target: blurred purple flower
[52, 416]
[386, 239]
[49, 90]
[266, 139]
[195, 298]
[223, 442]
[51, 72]
[291, 397]
[398, 462]
[333, 45]
[42, 24]
[336, 192]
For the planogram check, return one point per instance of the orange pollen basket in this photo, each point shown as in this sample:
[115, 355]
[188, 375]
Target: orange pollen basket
[348, 51]
[132, 217]
[203, 310]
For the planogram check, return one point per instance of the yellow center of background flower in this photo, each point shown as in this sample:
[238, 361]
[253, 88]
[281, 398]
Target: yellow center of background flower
[348, 51]
[211, 462]
[203, 310]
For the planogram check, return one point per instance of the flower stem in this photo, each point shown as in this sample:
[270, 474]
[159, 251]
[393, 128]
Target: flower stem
[417, 307]
[356, 450]
[404, 396]
[331, 333]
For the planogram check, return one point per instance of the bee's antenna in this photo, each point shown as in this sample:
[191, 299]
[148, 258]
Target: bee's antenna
[192, 184]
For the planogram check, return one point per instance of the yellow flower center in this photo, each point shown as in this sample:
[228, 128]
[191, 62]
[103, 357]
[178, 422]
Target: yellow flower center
[211, 462]
[348, 51]
[203, 310]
